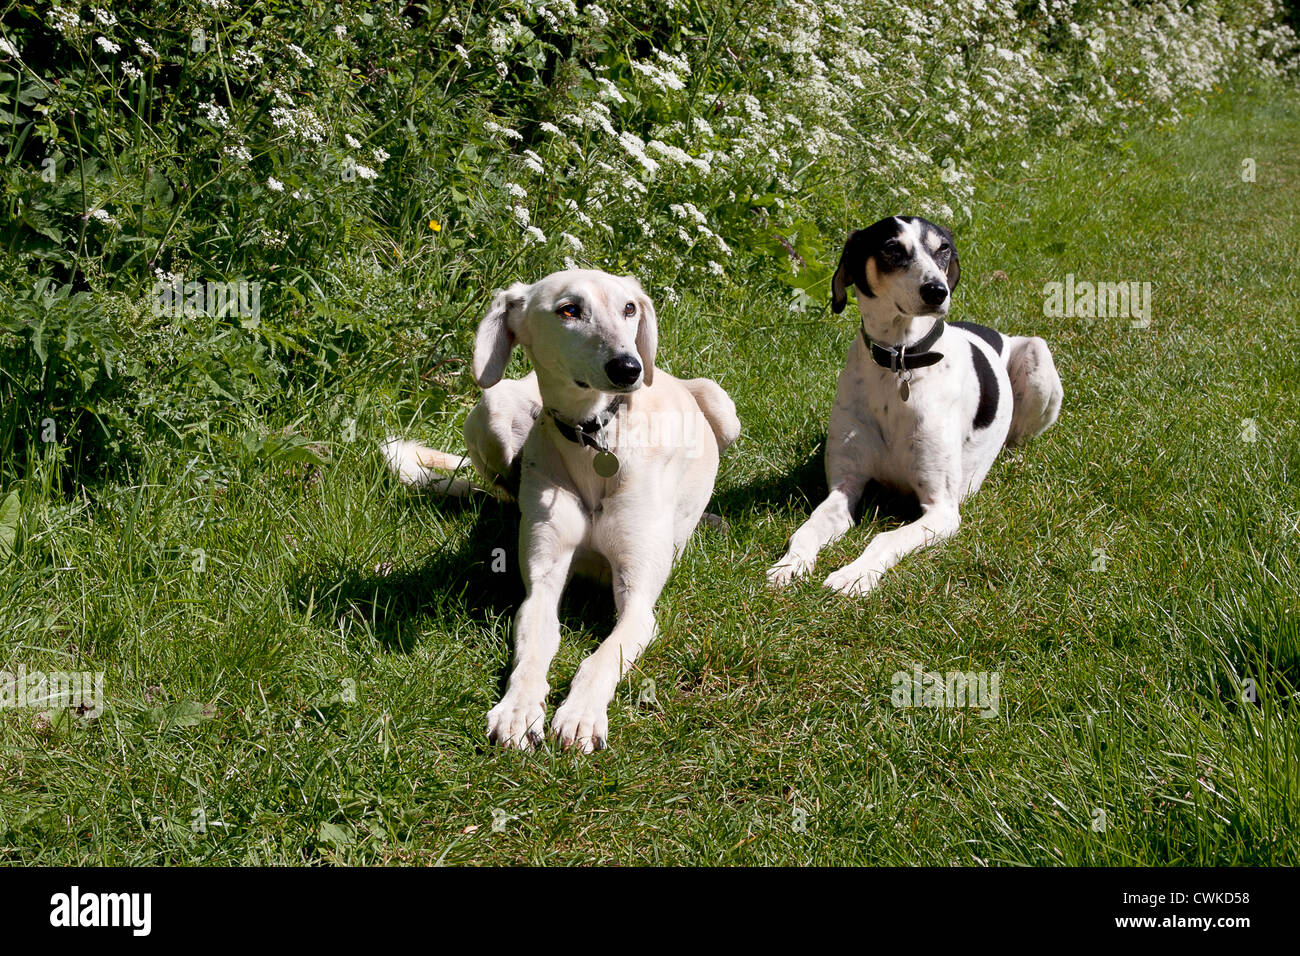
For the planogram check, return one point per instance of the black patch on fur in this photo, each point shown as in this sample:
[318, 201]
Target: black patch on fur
[991, 336]
[988, 383]
[861, 245]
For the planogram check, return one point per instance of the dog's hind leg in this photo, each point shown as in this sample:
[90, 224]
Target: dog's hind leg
[718, 409]
[1035, 388]
[418, 466]
[497, 427]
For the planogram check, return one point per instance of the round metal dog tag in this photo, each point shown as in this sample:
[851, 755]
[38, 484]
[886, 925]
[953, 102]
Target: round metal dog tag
[606, 464]
[904, 389]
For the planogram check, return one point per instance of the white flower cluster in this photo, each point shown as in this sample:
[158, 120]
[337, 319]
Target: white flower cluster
[216, 115]
[300, 123]
[907, 96]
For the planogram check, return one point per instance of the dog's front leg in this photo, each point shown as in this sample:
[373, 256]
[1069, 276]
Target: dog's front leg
[829, 520]
[546, 549]
[583, 719]
[940, 520]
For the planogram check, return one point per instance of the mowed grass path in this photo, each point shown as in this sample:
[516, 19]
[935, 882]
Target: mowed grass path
[315, 689]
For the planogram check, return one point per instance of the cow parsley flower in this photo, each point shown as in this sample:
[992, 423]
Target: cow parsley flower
[246, 60]
[66, 22]
[216, 115]
[636, 149]
[578, 214]
[302, 124]
[302, 55]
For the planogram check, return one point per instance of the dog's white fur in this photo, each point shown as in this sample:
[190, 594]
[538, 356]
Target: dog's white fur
[926, 445]
[627, 529]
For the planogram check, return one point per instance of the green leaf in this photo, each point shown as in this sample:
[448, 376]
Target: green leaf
[182, 713]
[336, 833]
[10, 511]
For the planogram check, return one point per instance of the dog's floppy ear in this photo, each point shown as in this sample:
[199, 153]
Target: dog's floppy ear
[647, 336]
[647, 331]
[850, 271]
[953, 272]
[496, 335]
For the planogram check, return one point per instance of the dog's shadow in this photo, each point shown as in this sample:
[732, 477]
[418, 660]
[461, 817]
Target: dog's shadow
[476, 579]
[806, 481]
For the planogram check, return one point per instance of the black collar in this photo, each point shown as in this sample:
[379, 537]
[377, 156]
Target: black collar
[904, 357]
[588, 433]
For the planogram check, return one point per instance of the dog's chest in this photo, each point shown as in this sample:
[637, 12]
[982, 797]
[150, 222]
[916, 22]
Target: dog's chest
[908, 426]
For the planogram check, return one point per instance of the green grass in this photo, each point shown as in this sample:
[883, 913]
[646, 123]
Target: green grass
[1120, 688]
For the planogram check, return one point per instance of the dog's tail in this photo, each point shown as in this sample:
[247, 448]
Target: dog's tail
[418, 466]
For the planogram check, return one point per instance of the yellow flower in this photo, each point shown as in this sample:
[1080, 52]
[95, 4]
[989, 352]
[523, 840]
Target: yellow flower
[435, 225]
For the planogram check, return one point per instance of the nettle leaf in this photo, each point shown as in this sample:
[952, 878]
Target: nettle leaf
[41, 222]
[181, 713]
[288, 448]
[338, 834]
[10, 512]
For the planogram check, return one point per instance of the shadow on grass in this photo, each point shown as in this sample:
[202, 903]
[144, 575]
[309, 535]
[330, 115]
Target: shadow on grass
[478, 579]
[472, 581]
[806, 483]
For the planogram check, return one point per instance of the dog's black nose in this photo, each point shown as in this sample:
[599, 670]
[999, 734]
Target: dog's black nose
[933, 293]
[623, 370]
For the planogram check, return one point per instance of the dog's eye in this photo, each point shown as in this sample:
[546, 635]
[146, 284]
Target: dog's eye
[893, 250]
[629, 309]
[569, 311]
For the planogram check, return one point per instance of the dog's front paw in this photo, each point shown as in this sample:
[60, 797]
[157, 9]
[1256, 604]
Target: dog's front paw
[852, 580]
[517, 722]
[582, 721]
[787, 569]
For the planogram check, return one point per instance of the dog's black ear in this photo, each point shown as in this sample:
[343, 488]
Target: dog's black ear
[850, 271]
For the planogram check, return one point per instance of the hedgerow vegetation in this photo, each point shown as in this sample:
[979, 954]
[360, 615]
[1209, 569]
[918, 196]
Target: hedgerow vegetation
[375, 169]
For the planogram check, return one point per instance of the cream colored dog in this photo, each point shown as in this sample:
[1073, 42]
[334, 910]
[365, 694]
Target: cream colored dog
[612, 462]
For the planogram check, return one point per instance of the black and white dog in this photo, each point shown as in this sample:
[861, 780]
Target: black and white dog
[923, 405]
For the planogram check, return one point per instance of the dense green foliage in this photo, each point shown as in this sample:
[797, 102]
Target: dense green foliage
[376, 169]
